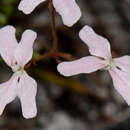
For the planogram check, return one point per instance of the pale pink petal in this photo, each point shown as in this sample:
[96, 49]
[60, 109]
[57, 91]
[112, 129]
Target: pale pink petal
[123, 63]
[98, 46]
[27, 94]
[8, 44]
[24, 51]
[69, 11]
[8, 91]
[84, 65]
[27, 6]
[121, 81]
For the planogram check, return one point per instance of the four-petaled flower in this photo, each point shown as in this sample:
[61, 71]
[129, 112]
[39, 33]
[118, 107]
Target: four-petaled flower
[21, 84]
[68, 9]
[99, 47]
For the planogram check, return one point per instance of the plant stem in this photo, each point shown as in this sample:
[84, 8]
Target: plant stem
[53, 25]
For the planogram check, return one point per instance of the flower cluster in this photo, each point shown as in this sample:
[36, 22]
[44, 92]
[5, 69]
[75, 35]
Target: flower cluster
[17, 55]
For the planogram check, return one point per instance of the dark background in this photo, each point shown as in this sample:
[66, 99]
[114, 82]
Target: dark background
[81, 102]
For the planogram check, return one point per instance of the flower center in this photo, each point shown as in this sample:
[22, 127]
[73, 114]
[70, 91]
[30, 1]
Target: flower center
[109, 64]
[18, 70]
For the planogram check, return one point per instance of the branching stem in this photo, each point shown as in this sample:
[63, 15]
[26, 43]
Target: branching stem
[53, 52]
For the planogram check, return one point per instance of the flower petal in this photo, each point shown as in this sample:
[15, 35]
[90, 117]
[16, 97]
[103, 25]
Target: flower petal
[121, 81]
[8, 91]
[24, 51]
[8, 44]
[69, 11]
[27, 6]
[98, 46]
[84, 65]
[123, 63]
[27, 93]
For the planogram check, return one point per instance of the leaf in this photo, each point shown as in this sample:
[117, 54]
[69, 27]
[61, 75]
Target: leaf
[3, 19]
[35, 55]
[67, 83]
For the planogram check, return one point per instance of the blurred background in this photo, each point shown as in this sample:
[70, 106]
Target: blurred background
[81, 102]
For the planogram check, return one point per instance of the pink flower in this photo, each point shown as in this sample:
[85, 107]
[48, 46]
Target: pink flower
[99, 47]
[21, 84]
[68, 9]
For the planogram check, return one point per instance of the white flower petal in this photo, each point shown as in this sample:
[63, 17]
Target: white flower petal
[8, 44]
[24, 51]
[8, 91]
[27, 6]
[27, 90]
[121, 81]
[84, 65]
[69, 11]
[98, 46]
[123, 63]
